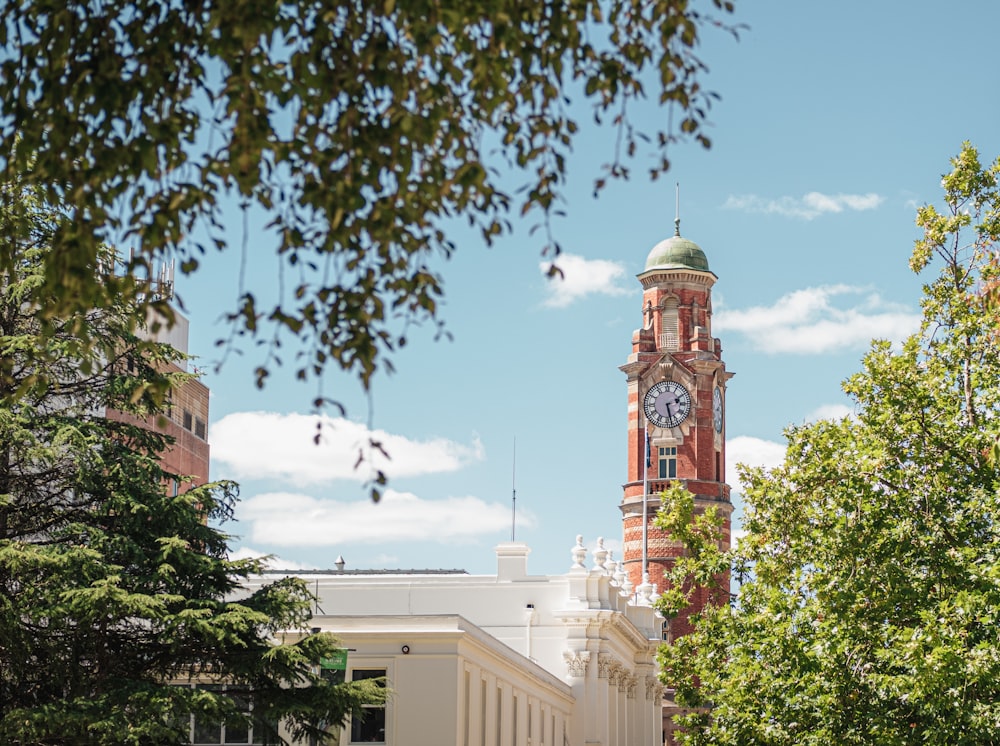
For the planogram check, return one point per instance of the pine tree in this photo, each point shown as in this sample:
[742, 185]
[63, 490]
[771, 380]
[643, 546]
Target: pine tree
[116, 595]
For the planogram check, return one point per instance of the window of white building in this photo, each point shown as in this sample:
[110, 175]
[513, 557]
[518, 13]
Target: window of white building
[204, 732]
[370, 728]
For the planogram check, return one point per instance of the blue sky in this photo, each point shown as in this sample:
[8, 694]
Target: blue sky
[836, 121]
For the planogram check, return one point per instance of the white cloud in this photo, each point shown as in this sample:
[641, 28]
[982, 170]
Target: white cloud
[829, 412]
[806, 207]
[273, 562]
[384, 560]
[808, 321]
[261, 445]
[745, 449]
[583, 277]
[289, 519]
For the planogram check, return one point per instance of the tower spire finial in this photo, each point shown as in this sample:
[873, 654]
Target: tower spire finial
[677, 209]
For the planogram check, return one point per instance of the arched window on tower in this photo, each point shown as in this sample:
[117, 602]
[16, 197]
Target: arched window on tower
[668, 325]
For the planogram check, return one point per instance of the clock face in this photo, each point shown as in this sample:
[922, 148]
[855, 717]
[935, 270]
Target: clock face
[717, 409]
[667, 404]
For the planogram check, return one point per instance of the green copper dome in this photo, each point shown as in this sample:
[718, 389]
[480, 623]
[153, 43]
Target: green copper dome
[677, 253]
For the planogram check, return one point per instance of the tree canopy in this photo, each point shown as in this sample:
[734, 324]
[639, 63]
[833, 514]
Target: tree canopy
[870, 594]
[363, 129]
[117, 594]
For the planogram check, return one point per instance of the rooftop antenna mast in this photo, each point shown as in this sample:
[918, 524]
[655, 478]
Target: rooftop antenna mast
[677, 209]
[513, 491]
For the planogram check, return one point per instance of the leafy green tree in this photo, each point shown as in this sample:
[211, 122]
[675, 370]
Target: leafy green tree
[869, 606]
[363, 129]
[113, 589]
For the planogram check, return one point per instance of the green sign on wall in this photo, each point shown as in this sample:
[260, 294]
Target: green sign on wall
[336, 662]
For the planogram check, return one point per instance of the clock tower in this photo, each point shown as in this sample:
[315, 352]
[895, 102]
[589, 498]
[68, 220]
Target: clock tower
[676, 381]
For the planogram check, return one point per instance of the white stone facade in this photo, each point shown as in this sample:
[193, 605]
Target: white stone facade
[510, 659]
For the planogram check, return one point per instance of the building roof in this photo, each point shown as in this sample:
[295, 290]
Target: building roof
[677, 252]
[335, 572]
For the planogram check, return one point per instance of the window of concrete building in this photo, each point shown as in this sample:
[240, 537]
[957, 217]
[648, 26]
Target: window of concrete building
[371, 727]
[667, 462]
[199, 427]
[206, 732]
[188, 418]
[335, 676]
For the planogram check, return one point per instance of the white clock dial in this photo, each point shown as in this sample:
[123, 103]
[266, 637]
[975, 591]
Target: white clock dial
[667, 404]
[717, 409]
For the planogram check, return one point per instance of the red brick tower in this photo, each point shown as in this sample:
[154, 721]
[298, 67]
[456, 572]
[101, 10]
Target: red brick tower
[676, 400]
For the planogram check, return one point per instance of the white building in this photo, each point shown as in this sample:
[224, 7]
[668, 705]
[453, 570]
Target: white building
[510, 659]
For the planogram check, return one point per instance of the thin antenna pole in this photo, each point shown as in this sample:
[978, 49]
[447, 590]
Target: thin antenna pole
[317, 609]
[513, 490]
[677, 209]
